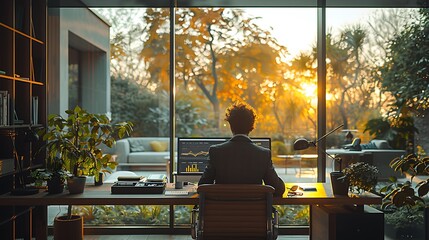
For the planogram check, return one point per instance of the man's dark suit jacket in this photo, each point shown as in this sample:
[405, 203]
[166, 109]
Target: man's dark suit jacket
[239, 161]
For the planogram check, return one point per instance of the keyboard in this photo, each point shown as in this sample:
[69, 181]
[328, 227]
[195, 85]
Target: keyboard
[176, 193]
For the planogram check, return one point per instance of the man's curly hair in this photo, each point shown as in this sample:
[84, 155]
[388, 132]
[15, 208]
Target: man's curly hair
[241, 117]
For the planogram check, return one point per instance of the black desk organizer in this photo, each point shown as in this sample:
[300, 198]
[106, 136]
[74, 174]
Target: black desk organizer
[129, 187]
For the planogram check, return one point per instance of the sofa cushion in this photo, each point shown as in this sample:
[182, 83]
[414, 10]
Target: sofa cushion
[159, 146]
[381, 144]
[148, 157]
[136, 145]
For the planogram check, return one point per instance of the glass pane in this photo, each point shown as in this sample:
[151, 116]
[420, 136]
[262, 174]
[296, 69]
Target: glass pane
[358, 42]
[252, 55]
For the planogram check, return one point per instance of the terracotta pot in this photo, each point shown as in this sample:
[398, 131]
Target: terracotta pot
[340, 187]
[76, 184]
[68, 229]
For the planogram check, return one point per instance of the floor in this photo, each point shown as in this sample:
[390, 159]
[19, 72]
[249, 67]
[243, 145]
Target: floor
[165, 237]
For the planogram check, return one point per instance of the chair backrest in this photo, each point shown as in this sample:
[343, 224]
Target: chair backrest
[238, 211]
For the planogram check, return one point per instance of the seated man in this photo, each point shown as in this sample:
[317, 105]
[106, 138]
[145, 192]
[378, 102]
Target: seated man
[239, 161]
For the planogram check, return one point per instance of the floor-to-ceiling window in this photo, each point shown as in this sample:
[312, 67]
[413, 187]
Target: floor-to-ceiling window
[264, 56]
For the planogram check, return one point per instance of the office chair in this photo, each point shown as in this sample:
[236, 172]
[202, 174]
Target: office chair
[234, 211]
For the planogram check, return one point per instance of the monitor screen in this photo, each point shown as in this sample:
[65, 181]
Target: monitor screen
[193, 153]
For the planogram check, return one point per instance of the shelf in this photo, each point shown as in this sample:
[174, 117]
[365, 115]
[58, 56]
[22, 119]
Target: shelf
[22, 78]
[7, 77]
[9, 127]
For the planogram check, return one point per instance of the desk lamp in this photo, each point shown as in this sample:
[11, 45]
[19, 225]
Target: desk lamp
[339, 185]
[302, 143]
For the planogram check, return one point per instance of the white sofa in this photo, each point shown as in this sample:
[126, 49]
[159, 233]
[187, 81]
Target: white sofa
[142, 152]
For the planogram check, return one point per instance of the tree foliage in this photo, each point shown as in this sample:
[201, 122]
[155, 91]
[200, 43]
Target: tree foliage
[406, 73]
[220, 52]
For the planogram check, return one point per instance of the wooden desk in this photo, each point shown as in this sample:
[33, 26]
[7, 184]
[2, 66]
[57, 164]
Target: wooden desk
[101, 195]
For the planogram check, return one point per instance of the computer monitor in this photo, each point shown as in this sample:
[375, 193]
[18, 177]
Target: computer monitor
[193, 153]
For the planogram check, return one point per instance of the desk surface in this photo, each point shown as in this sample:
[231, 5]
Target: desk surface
[101, 195]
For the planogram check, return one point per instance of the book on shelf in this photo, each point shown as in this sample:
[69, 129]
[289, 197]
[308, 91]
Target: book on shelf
[4, 108]
[35, 110]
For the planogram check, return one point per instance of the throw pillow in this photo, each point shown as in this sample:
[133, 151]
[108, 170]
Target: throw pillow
[369, 145]
[158, 146]
[381, 144]
[136, 145]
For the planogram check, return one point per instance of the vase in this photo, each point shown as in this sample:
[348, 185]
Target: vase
[55, 185]
[76, 184]
[340, 186]
[100, 179]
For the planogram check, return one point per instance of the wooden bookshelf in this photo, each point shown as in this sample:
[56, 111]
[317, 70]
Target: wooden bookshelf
[22, 79]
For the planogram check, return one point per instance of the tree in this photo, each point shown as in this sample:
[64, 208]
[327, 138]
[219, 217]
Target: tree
[130, 102]
[219, 51]
[383, 25]
[406, 73]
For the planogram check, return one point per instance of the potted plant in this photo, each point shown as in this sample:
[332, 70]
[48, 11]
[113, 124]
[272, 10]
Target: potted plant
[77, 141]
[361, 176]
[54, 175]
[356, 178]
[404, 202]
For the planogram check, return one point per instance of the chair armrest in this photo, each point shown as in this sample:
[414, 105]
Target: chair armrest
[122, 151]
[194, 222]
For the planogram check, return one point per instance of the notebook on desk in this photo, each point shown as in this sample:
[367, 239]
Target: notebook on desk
[131, 187]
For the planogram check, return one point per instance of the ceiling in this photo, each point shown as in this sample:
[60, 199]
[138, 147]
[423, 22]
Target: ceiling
[241, 3]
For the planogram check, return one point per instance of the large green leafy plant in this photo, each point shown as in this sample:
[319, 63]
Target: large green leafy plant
[405, 194]
[78, 140]
[405, 201]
